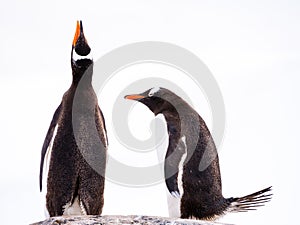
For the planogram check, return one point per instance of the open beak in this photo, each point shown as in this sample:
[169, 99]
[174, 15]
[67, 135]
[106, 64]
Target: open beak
[134, 97]
[78, 33]
[80, 45]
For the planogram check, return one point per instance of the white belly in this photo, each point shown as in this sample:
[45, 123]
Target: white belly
[173, 206]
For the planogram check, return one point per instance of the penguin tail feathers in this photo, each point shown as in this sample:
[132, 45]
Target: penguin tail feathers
[250, 202]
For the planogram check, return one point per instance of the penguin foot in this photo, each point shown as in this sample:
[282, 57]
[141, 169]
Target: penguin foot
[83, 211]
[75, 208]
[175, 194]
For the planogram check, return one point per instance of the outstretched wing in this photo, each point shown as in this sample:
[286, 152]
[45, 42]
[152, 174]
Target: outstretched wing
[47, 141]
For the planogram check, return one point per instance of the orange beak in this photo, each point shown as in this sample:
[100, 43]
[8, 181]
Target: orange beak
[77, 33]
[134, 97]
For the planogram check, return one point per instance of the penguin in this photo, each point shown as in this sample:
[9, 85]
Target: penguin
[197, 188]
[73, 156]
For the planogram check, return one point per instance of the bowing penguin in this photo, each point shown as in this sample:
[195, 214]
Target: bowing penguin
[73, 156]
[191, 165]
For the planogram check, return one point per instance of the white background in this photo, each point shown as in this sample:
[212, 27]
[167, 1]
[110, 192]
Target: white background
[251, 47]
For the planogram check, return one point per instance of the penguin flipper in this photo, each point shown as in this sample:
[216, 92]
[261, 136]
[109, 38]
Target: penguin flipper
[171, 168]
[102, 125]
[47, 141]
[175, 163]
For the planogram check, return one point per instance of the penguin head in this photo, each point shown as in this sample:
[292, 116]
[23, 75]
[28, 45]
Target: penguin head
[157, 99]
[80, 55]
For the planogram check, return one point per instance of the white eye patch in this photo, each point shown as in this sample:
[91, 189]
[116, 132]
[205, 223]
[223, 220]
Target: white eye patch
[153, 91]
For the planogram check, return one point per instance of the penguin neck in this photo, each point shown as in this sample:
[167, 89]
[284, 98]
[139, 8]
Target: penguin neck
[173, 121]
[82, 77]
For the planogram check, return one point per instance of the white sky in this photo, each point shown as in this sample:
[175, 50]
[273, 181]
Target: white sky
[251, 47]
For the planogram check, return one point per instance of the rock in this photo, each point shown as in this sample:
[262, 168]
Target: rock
[125, 220]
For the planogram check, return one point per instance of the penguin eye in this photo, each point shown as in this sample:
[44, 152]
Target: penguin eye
[153, 91]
